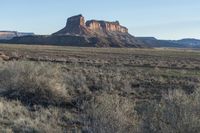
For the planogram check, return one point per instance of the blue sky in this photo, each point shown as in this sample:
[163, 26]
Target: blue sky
[164, 19]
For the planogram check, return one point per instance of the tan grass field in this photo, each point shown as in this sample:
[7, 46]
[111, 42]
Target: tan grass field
[99, 90]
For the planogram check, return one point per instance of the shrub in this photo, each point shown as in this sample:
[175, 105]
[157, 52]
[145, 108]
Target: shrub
[15, 117]
[180, 112]
[33, 83]
[111, 114]
[176, 112]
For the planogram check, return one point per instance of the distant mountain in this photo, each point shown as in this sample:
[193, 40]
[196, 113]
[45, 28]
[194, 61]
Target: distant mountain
[183, 43]
[190, 42]
[93, 33]
[153, 42]
[7, 35]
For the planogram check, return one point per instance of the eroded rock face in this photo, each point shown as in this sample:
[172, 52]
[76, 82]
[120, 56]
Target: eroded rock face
[76, 21]
[95, 25]
[77, 25]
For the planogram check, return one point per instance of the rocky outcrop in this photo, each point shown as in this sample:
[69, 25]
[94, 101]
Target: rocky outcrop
[93, 33]
[7, 35]
[105, 34]
[76, 25]
[105, 26]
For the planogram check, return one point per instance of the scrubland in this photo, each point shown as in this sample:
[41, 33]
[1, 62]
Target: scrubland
[99, 90]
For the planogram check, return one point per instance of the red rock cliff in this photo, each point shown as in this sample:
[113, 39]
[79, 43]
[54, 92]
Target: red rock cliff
[75, 21]
[106, 26]
[77, 25]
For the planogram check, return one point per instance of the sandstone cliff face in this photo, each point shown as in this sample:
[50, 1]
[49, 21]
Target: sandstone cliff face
[95, 25]
[77, 25]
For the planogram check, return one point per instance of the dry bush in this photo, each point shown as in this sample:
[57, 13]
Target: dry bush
[103, 97]
[176, 112]
[180, 112]
[32, 83]
[76, 83]
[4, 57]
[15, 117]
[111, 114]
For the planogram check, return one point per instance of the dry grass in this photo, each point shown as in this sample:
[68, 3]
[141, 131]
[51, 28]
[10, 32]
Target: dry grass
[57, 89]
[176, 112]
[111, 113]
[15, 117]
[179, 112]
[32, 83]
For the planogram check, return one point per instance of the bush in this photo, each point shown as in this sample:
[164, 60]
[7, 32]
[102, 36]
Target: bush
[33, 83]
[15, 118]
[180, 112]
[111, 114]
[176, 112]
[104, 100]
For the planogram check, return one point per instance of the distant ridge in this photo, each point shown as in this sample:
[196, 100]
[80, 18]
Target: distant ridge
[190, 42]
[7, 35]
[183, 43]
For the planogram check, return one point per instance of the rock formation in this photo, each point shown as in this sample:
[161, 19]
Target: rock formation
[102, 33]
[93, 33]
[95, 25]
[76, 25]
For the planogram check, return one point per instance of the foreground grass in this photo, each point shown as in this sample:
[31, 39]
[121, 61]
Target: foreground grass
[66, 89]
[47, 97]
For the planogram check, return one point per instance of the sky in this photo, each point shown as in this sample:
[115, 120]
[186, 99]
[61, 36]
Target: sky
[163, 19]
